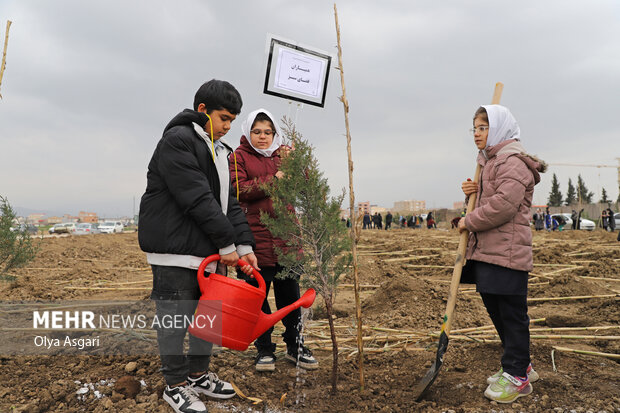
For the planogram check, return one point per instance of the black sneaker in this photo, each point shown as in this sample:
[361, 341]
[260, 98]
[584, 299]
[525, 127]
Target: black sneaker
[265, 361]
[302, 358]
[210, 385]
[183, 399]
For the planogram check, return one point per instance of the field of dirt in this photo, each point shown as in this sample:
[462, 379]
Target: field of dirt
[405, 275]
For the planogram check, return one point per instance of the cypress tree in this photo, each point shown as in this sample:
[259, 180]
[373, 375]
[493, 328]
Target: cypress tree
[555, 196]
[582, 192]
[571, 195]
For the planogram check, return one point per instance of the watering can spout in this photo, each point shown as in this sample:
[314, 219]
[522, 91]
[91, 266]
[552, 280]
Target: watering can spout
[266, 321]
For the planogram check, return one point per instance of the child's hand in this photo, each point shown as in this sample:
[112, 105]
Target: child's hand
[252, 261]
[462, 226]
[279, 174]
[285, 150]
[469, 187]
[230, 259]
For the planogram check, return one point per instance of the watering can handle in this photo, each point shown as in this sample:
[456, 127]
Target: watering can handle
[241, 263]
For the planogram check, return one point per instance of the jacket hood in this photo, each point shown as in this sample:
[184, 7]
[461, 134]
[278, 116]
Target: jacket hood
[514, 147]
[502, 125]
[246, 126]
[187, 117]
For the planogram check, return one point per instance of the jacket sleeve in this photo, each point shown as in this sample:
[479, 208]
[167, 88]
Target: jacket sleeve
[191, 191]
[501, 207]
[249, 187]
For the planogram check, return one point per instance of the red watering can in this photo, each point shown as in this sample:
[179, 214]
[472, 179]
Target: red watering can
[229, 311]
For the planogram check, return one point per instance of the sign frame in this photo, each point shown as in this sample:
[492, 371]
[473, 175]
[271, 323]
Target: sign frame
[280, 82]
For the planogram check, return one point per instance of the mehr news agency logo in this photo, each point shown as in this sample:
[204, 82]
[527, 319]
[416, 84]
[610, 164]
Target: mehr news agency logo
[88, 320]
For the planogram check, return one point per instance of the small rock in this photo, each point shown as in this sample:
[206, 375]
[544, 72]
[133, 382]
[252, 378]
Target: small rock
[131, 366]
[107, 403]
[116, 397]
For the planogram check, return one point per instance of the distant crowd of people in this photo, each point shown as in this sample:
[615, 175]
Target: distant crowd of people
[375, 221]
[552, 222]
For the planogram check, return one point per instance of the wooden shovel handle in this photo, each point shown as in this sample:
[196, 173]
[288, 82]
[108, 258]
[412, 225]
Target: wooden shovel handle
[460, 252]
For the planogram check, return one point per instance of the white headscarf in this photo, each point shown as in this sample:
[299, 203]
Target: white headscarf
[502, 125]
[246, 126]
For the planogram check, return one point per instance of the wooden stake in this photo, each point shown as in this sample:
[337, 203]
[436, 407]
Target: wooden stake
[589, 353]
[6, 43]
[354, 238]
[575, 297]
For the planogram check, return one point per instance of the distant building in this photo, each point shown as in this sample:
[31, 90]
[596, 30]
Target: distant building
[88, 217]
[54, 220]
[458, 205]
[363, 207]
[410, 205]
[377, 209]
[36, 219]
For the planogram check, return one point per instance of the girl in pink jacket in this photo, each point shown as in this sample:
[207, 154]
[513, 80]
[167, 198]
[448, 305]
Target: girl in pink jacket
[499, 250]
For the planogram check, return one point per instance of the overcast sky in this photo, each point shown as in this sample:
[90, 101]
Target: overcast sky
[89, 86]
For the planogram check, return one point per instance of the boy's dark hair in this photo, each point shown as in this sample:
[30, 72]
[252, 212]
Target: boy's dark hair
[262, 117]
[218, 95]
[482, 113]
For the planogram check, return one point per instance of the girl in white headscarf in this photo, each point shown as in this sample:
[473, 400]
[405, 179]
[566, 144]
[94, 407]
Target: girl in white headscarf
[258, 162]
[499, 250]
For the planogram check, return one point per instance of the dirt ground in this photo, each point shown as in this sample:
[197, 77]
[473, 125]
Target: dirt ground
[405, 275]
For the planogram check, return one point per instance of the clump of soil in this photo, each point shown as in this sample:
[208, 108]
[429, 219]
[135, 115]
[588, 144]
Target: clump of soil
[127, 386]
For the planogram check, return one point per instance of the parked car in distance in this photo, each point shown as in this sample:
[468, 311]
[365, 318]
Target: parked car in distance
[585, 223]
[55, 228]
[87, 228]
[65, 228]
[29, 228]
[110, 227]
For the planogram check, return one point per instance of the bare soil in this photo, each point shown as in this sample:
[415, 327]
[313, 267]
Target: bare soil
[404, 290]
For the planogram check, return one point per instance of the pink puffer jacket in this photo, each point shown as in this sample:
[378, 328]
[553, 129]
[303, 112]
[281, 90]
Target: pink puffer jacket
[499, 226]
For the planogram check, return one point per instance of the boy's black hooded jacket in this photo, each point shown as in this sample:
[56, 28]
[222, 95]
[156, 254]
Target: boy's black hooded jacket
[180, 212]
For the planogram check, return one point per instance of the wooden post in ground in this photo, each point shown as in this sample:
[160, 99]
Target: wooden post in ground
[353, 217]
[6, 43]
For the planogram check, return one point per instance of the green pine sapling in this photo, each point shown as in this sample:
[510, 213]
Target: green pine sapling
[16, 246]
[309, 220]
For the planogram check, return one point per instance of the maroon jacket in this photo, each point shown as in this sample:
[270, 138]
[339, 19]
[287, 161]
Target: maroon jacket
[499, 226]
[254, 169]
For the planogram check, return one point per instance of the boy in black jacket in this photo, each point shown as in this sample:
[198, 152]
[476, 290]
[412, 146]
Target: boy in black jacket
[189, 212]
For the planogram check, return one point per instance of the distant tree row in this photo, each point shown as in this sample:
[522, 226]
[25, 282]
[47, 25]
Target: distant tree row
[573, 194]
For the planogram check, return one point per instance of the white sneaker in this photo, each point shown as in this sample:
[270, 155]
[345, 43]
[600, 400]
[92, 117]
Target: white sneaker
[210, 385]
[531, 375]
[183, 399]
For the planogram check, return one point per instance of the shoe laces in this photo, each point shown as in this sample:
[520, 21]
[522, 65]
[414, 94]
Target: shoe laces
[212, 377]
[189, 393]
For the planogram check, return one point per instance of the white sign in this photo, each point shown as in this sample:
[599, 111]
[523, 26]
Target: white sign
[297, 73]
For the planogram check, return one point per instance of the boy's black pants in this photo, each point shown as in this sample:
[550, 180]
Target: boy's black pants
[509, 315]
[176, 294]
[286, 292]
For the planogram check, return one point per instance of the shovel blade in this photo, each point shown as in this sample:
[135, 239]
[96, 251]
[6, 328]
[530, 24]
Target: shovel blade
[430, 376]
